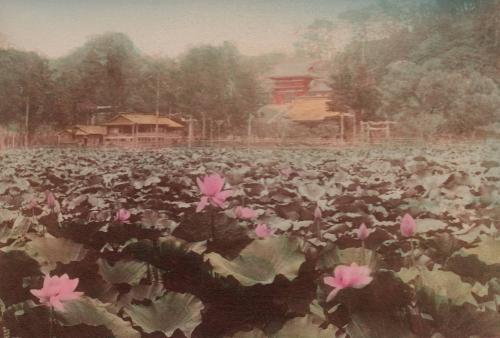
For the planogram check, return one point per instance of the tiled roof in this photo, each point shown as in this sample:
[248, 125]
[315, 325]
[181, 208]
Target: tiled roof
[291, 69]
[129, 118]
[307, 68]
[302, 108]
[308, 108]
[89, 130]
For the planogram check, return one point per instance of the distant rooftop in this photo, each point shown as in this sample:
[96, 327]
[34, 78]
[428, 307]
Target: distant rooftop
[301, 109]
[132, 118]
[310, 109]
[308, 68]
[89, 130]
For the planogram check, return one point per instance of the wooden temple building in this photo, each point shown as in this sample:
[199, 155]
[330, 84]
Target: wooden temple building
[142, 128]
[294, 79]
[125, 129]
[300, 96]
[85, 135]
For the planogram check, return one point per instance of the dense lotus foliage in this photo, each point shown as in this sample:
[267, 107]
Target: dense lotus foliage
[366, 242]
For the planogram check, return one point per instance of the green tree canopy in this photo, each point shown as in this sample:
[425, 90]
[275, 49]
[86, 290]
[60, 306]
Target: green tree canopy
[216, 81]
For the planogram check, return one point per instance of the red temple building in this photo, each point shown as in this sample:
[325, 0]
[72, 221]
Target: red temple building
[291, 80]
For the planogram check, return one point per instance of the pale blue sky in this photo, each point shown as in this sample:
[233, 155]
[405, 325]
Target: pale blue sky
[168, 27]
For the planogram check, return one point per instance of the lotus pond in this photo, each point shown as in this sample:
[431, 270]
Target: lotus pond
[251, 243]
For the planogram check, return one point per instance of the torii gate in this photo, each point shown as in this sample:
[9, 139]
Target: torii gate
[368, 127]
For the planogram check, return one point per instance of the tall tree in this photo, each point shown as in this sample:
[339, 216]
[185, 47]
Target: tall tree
[106, 66]
[451, 101]
[354, 90]
[216, 83]
[155, 86]
[25, 86]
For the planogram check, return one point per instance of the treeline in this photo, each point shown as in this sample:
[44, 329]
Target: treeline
[432, 65]
[110, 71]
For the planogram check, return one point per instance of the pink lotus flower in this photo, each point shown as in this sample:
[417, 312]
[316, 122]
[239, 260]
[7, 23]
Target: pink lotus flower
[345, 276]
[122, 216]
[408, 226]
[211, 188]
[51, 199]
[317, 212]
[245, 213]
[363, 232]
[263, 231]
[57, 289]
[286, 172]
[33, 204]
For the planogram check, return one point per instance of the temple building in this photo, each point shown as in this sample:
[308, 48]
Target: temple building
[125, 129]
[295, 79]
[300, 94]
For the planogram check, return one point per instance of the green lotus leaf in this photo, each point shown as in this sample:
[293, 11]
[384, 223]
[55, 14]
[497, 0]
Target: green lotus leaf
[443, 286]
[76, 202]
[317, 312]
[377, 325]
[472, 233]
[19, 229]
[311, 191]
[50, 250]
[130, 272]
[92, 312]
[153, 220]
[275, 222]
[300, 327]
[429, 224]
[332, 256]
[97, 202]
[256, 333]
[140, 292]
[7, 215]
[479, 289]
[168, 313]
[488, 251]
[261, 261]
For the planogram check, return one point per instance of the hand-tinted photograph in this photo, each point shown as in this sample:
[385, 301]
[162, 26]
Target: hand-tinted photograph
[249, 168]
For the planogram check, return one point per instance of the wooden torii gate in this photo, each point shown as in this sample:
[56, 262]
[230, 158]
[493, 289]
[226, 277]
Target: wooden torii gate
[367, 127]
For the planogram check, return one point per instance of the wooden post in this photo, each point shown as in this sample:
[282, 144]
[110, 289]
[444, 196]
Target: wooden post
[342, 127]
[203, 126]
[190, 132]
[249, 130]
[362, 131]
[219, 124]
[157, 104]
[211, 131]
[354, 126]
[367, 132]
[134, 133]
[27, 118]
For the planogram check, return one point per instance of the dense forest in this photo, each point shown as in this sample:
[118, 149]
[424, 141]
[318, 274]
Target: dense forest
[433, 64]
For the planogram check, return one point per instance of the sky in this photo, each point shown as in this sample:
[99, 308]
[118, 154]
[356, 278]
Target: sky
[163, 27]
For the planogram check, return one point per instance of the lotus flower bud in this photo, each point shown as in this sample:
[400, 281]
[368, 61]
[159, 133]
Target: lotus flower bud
[317, 212]
[363, 232]
[408, 226]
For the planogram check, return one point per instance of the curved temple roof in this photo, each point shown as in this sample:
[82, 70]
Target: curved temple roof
[130, 118]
